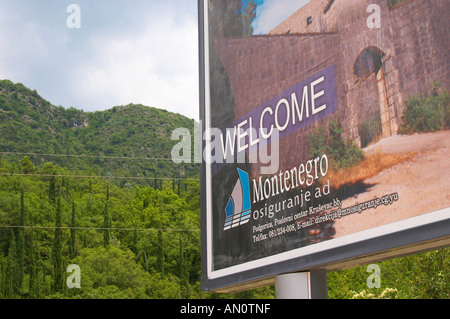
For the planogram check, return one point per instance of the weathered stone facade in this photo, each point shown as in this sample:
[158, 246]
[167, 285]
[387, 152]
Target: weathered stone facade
[411, 47]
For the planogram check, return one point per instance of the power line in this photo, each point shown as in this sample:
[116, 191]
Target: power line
[91, 156]
[102, 228]
[106, 177]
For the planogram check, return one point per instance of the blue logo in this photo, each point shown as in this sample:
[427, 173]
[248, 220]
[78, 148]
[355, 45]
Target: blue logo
[238, 210]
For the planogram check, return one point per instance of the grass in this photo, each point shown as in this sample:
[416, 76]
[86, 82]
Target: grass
[370, 166]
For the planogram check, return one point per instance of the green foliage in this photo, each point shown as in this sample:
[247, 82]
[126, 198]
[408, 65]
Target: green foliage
[393, 3]
[318, 141]
[26, 166]
[154, 239]
[422, 276]
[342, 154]
[13, 278]
[57, 258]
[30, 124]
[426, 114]
[113, 273]
[106, 221]
[73, 224]
[370, 130]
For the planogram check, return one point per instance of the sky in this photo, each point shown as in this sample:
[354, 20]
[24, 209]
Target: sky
[135, 51]
[271, 13]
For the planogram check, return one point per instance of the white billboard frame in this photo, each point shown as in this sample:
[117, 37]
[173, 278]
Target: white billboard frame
[409, 236]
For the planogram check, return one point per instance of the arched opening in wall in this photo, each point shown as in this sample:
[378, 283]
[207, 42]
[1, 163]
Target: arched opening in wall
[374, 120]
[370, 60]
[328, 7]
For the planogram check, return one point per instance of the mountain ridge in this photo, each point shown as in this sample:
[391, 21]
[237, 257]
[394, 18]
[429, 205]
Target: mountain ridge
[31, 124]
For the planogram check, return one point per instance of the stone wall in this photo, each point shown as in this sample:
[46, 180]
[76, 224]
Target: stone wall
[422, 45]
[412, 42]
[261, 67]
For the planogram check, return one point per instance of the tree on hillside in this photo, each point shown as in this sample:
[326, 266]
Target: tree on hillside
[72, 239]
[21, 236]
[12, 283]
[110, 273]
[26, 166]
[106, 221]
[33, 286]
[57, 258]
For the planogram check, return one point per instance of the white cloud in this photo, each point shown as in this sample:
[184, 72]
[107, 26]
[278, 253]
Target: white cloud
[145, 52]
[26, 44]
[155, 67]
[272, 12]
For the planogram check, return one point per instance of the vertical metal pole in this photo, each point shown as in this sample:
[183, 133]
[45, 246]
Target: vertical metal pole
[303, 285]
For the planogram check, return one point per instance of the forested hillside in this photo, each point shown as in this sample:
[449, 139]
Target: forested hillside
[116, 142]
[98, 190]
[129, 242]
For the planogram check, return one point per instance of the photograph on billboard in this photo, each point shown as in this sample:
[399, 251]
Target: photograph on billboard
[325, 123]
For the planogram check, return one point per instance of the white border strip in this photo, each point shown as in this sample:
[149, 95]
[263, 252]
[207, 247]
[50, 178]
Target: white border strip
[207, 120]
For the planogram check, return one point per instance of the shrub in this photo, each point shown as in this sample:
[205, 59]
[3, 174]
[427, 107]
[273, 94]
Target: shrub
[393, 3]
[343, 154]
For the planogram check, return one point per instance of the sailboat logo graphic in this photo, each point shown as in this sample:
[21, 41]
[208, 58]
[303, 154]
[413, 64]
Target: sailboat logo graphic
[238, 210]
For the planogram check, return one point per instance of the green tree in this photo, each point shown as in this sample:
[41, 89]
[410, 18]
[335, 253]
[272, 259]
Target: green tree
[3, 276]
[183, 270]
[13, 276]
[106, 221]
[173, 181]
[318, 142]
[423, 276]
[52, 189]
[428, 274]
[113, 273]
[26, 166]
[21, 237]
[33, 286]
[72, 239]
[160, 253]
[57, 258]
[425, 114]
[135, 239]
[343, 154]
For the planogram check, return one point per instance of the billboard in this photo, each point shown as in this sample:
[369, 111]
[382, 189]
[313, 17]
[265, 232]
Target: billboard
[325, 135]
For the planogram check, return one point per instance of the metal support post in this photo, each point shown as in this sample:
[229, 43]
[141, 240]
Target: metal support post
[303, 285]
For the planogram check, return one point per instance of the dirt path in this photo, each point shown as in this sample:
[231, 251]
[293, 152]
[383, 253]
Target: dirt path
[422, 183]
